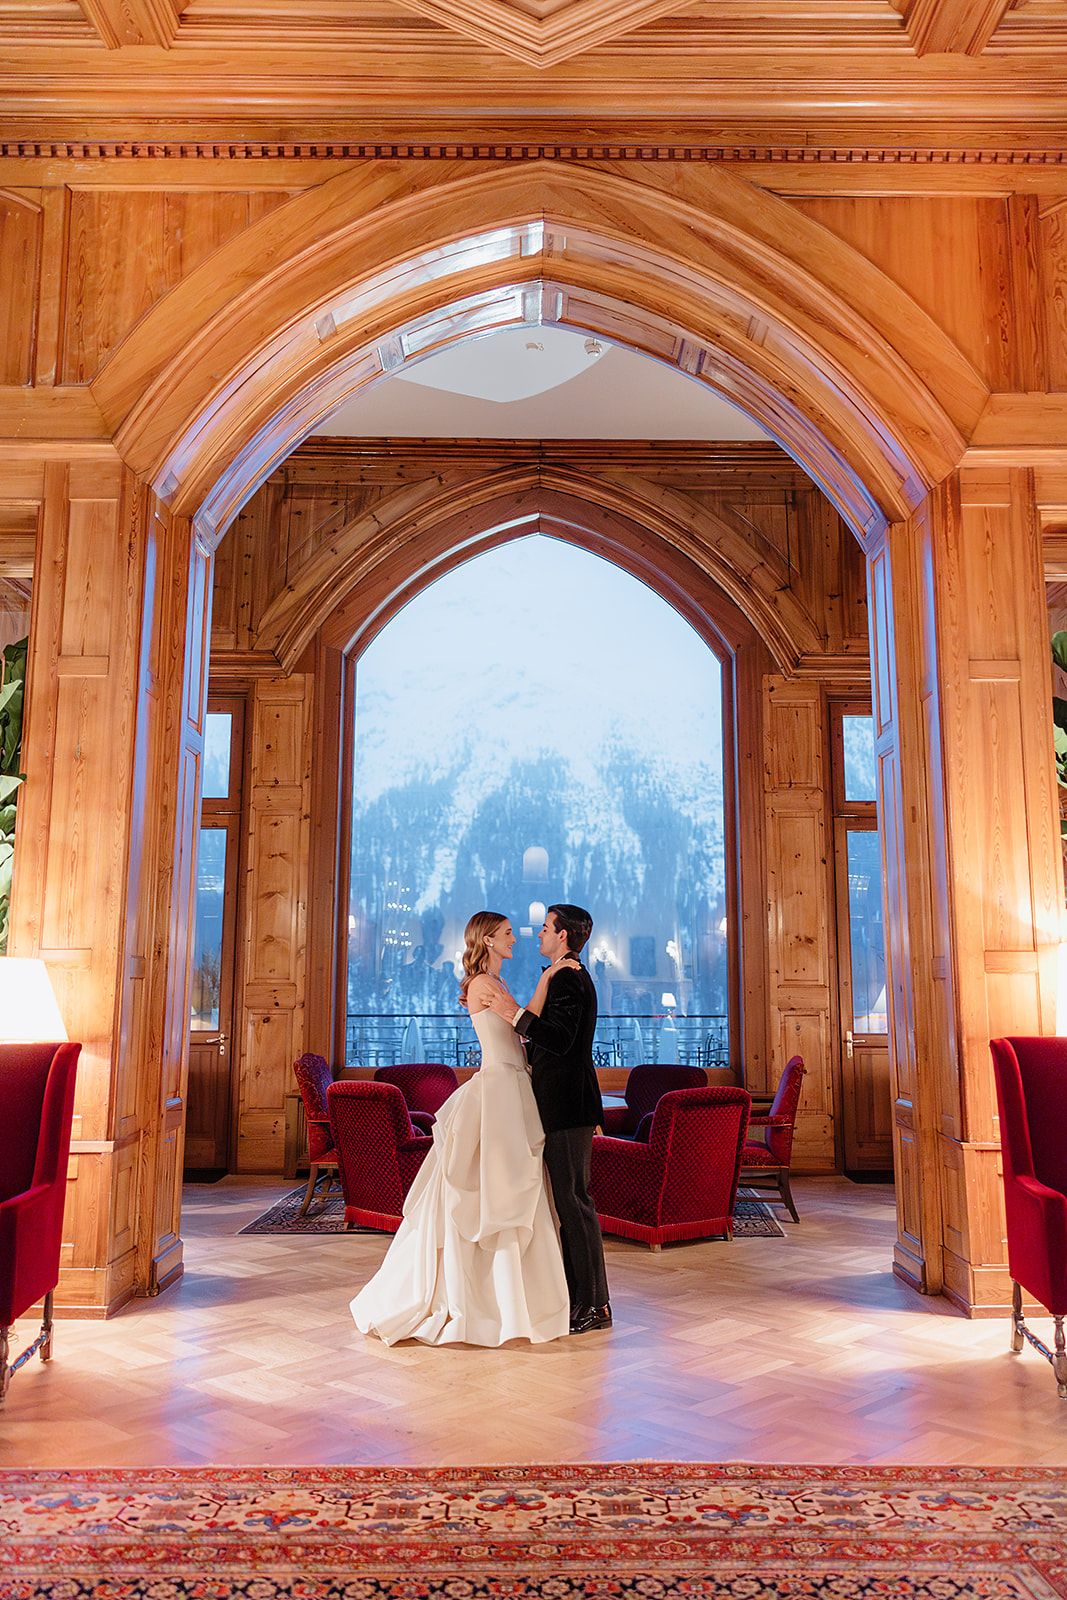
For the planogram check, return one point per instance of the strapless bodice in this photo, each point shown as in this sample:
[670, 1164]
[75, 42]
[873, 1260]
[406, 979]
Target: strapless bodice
[499, 1041]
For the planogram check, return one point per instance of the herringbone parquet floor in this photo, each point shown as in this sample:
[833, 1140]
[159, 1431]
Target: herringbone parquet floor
[803, 1349]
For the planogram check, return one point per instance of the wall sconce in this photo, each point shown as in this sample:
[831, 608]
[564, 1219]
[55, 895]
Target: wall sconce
[668, 1002]
[29, 1011]
[536, 913]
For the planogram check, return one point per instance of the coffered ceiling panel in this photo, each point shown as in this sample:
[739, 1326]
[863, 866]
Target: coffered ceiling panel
[967, 76]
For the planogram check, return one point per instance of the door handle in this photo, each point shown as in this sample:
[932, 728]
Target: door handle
[848, 1043]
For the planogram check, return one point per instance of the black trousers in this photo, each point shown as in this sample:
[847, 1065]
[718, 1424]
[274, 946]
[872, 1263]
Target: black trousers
[568, 1155]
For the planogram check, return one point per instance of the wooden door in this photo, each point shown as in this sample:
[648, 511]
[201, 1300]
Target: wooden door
[208, 1119]
[866, 1090]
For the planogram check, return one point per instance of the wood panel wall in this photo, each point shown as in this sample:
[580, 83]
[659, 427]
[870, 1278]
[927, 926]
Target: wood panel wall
[802, 969]
[118, 599]
[271, 1000]
[912, 240]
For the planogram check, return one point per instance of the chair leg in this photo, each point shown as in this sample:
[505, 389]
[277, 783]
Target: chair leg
[787, 1193]
[313, 1178]
[1059, 1360]
[329, 1173]
[1016, 1316]
[5, 1370]
[46, 1327]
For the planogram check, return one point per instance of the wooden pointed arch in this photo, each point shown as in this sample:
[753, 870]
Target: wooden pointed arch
[385, 556]
[694, 266]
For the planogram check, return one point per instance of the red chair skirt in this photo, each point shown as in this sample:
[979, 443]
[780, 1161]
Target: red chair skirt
[666, 1232]
[372, 1219]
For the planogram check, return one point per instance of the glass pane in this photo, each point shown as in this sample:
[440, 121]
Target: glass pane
[539, 726]
[207, 940]
[218, 728]
[866, 934]
[857, 737]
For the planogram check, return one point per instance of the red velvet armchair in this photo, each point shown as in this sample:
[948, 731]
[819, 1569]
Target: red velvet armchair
[682, 1183]
[425, 1085]
[1031, 1078]
[36, 1111]
[765, 1163]
[313, 1078]
[645, 1087]
[378, 1151]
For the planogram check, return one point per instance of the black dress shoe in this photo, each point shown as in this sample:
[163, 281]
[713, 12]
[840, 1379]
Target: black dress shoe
[590, 1319]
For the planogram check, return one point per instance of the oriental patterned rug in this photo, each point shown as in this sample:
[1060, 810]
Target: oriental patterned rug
[753, 1218]
[641, 1531]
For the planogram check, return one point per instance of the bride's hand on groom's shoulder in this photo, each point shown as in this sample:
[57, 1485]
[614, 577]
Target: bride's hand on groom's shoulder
[489, 994]
[500, 999]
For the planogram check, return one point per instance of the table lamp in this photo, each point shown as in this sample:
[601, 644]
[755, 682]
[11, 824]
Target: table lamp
[29, 1011]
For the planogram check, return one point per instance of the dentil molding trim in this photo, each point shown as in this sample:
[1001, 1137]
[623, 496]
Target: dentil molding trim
[72, 150]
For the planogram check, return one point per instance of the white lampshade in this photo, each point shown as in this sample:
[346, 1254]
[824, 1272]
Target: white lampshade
[667, 1001]
[29, 1012]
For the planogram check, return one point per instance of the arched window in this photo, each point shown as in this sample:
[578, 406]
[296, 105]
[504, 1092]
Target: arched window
[539, 726]
[535, 864]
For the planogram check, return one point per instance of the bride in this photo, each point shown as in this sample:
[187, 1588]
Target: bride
[477, 1259]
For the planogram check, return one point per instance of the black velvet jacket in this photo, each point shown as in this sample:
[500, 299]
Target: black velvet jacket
[560, 1052]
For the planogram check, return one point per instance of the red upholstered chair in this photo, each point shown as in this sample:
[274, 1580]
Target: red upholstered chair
[1031, 1077]
[378, 1151]
[36, 1110]
[645, 1087]
[682, 1183]
[765, 1162]
[425, 1085]
[313, 1078]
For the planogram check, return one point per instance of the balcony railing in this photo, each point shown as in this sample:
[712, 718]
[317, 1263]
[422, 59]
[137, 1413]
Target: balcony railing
[378, 1041]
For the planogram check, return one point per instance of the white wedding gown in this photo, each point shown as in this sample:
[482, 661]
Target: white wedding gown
[476, 1259]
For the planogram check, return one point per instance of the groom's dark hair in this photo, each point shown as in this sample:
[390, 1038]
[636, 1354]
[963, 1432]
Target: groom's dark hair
[576, 923]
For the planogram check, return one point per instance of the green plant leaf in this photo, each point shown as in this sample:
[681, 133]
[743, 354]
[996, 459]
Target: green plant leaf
[12, 691]
[1059, 649]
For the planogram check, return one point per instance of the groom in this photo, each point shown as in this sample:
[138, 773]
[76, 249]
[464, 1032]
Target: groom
[568, 1098]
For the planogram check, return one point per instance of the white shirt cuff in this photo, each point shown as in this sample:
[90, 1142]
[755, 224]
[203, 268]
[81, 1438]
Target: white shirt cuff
[518, 1014]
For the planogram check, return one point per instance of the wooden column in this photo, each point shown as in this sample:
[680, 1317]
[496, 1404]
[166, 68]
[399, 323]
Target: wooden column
[111, 747]
[973, 872]
[173, 708]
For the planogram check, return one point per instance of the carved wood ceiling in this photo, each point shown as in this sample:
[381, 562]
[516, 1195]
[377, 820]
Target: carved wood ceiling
[957, 74]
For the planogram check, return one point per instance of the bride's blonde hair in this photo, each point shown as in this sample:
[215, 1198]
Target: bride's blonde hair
[481, 926]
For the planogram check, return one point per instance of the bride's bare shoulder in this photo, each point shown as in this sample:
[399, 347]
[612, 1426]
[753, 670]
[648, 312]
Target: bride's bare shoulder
[479, 990]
